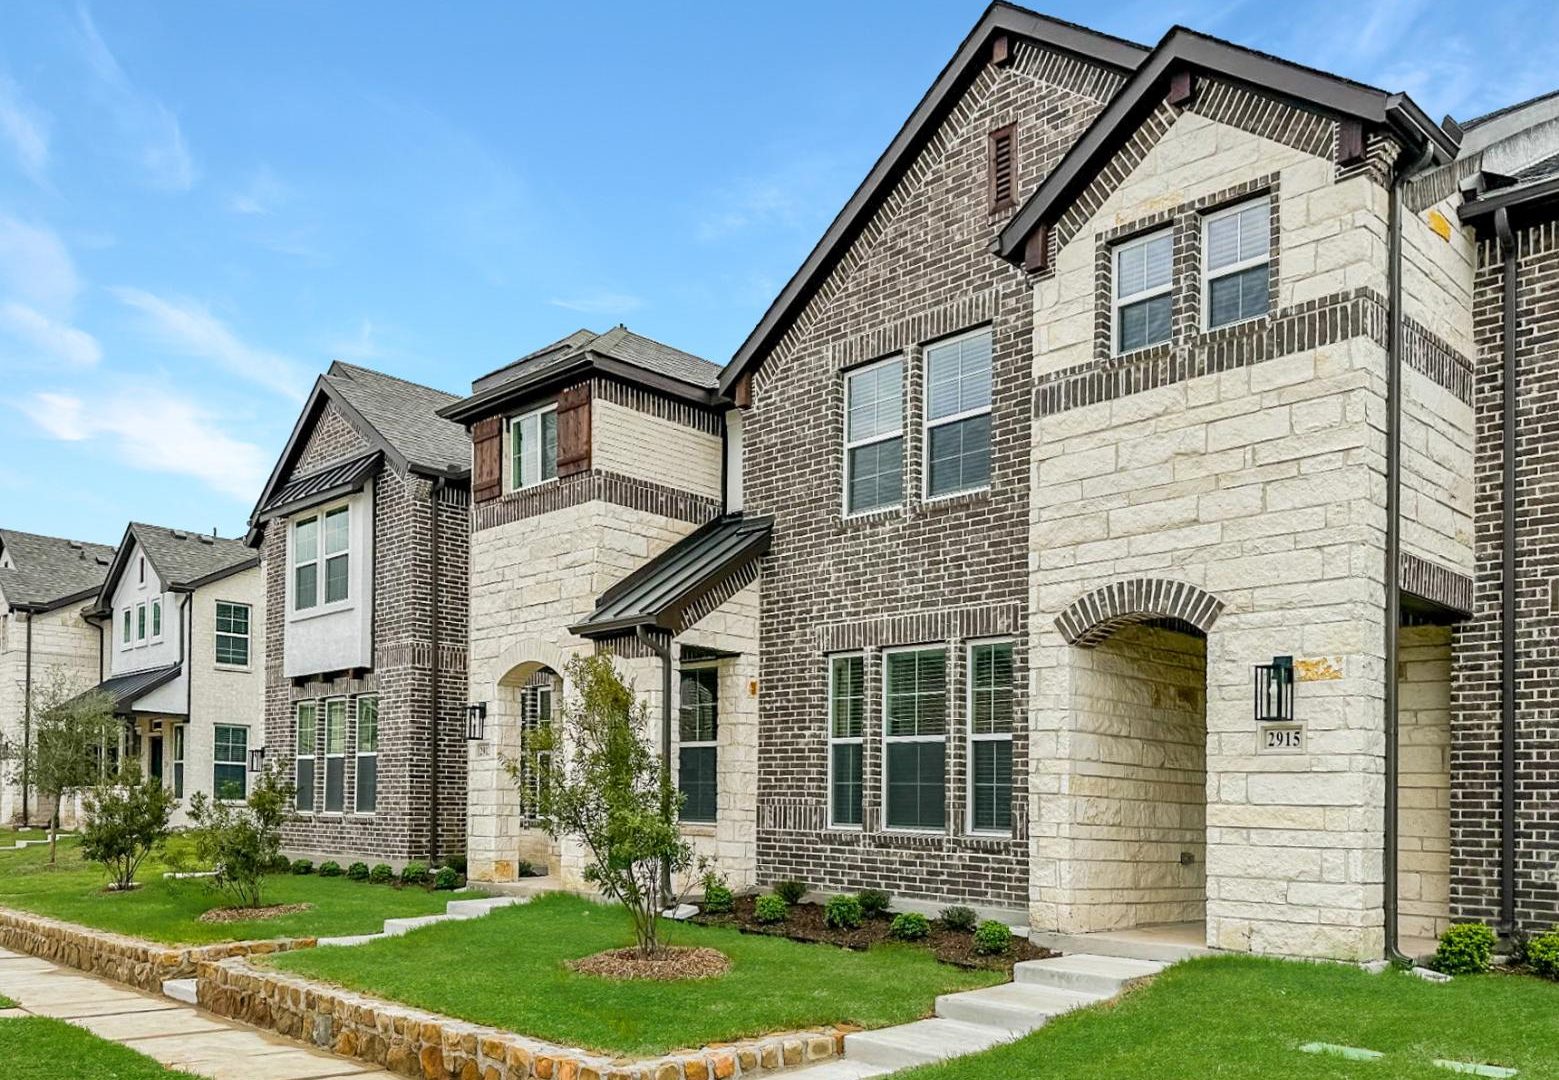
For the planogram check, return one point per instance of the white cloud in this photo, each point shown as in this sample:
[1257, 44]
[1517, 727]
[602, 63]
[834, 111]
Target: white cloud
[600, 303]
[158, 432]
[159, 146]
[189, 328]
[261, 196]
[36, 265]
[51, 336]
[25, 129]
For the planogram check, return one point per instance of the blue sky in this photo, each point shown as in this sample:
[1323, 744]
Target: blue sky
[202, 204]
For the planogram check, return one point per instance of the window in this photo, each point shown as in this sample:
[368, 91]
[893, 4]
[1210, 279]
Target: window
[140, 624]
[958, 414]
[874, 437]
[335, 755]
[535, 716]
[338, 560]
[990, 737]
[915, 734]
[157, 618]
[1002, 170]
[367, 754]
[533, 447]
[142, 571]
[333, 533]
[1142, 287]
[305, 564]
[230, 769]
[1236, 245]
[180, 733]
[126, 639]
[846, 724]
[232, 634]
[698, 731]
[308, 718]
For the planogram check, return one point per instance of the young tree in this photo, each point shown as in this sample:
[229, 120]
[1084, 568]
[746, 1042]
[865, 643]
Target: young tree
[126, 820]
[75, 739]
[241, 842]
[604, 785]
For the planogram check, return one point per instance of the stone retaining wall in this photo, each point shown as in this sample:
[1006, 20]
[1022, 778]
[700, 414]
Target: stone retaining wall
[145, 965]
[427, 1046]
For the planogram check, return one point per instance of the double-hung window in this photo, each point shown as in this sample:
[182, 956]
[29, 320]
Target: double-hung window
[230, 762]
[367, 754]
[156, 608]
[305, 563]
[323, 539]
[180, 734]
[874, 437]
[535, 719]
[140, 624]
[335, 755]
[698, 731]
[533, 447]
[125, 639]
[308, 719]
[958, 414]
[338, 557]
[990, 736]
[1237, 247]
[915, 737]
[1142, 291]
[232, 634]
[846, 731]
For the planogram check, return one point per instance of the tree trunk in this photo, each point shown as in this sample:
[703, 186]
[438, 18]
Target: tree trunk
[54, 832]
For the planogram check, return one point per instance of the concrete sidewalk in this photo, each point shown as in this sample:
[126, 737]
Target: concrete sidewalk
[178, 1036]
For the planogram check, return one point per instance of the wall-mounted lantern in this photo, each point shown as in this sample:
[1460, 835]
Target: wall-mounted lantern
[476, 721]
[257, 759]
[1275, 690]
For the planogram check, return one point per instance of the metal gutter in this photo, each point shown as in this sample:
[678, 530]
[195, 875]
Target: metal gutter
[1507, 613]
[433, 608]
[1491, 203]
[27, 721]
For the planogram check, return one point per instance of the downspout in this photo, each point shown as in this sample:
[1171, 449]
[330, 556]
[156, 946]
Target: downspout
[433, 807]
[27, 726]
[1507, 607]
[664, 652]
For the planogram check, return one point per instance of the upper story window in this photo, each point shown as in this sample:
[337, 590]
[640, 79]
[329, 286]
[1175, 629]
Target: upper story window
[142, 580]
[533, 447]
[958, 414]
[125, 637]
[1237, 247]
[874, 437]
[156, 608]
[317, 539]
[232, 635]
[1142, 302]
[140, 624]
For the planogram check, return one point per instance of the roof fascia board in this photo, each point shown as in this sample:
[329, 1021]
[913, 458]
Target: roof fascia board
[1509, 199]
[105, 591]
[499, 398]
[215, 576]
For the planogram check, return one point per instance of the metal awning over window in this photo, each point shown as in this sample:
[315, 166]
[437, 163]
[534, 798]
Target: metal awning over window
[126, 690]
[301, 492]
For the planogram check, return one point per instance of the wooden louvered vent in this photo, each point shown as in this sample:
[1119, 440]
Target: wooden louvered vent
[1003, 168]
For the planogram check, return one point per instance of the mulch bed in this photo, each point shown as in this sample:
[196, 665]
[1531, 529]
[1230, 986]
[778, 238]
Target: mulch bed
[669, 964]
[249, 914]
[805, 923]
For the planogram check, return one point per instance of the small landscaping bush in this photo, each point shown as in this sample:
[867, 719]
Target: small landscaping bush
[770, 909]
[358, 871]
[330, 868]
[874, 902]
[242, 842]
[414, 873]
[381, 875]
[992, 938]
[910, 926]
[842, 912]
[302, 866]
[959, 918]
[1543, 954]
[126, 820]
[457, 862]
[279, 864]
[718, 899]
[446, 879]
[1465, 949]
[790, 891]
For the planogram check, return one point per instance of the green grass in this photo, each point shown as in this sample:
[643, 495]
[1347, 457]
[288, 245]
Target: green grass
[1233, 1018]
[37, 1049]
[508, 970]
[166, 911]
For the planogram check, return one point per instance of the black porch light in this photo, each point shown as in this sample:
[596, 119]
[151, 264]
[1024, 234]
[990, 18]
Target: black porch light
[1275, 690]
[476, 721]
[257, 759]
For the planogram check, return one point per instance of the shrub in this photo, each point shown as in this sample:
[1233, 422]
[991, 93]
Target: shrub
[523, 868]
[874, 902]
[279, 864]
[992, 938]
[330, 868]
[790, 891]
[456, 862]
[1464, 949]
[842, 912]
[718, 899]
[125, 821]
[414, 873]
[302, 866]
[909, 926]
[381, 875]
[770, 909]
[358, 871]
[1543, 954]
[242, 842]
[446, 879]
[959, 918]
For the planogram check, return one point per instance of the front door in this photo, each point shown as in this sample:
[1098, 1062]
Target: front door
[154, 755]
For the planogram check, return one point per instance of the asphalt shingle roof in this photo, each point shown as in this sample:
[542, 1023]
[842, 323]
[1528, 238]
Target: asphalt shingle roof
[619, 344]
[405, 415]
[50, 569]
[181, 557]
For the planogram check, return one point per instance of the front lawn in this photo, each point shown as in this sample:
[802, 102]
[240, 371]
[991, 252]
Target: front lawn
[167, 911]
[508, 970]
[1244, 1017]
[37, 1049]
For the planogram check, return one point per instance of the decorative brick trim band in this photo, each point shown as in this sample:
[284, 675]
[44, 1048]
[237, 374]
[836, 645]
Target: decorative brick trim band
[914, 627]
[1265, 117]
[962, 314]
[1435, 359]
[1439, 184]
[658, 405]
[1063, 70]
[596, 485]
[1435, 583]
[707, 604]
[629, 647]
[1092, 618]
[145, 965]
[412, 1042]
[1148, 134]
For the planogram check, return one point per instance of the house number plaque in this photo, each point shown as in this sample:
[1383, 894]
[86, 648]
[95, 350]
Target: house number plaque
[1285, 738]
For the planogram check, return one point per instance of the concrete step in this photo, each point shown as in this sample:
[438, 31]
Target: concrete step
[838, 1069]
[1129, 945]
[1017, 1007]
[1105, 975]
[921, 1043]
[472, 909]
[397, 927]
[180, 990]
[348, 940]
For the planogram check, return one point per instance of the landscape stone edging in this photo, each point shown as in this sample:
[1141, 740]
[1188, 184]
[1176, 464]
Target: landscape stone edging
[423, 1045]
[145, 965]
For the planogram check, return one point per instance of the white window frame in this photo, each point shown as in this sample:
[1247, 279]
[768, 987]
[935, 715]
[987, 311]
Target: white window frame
[702, 744]
[326, 757]
[530, 722]
[856, 444]
[942, 421]
[142, 624]
[358, 753]
[312, 756]
[127, 636]
[216, 797]
[1118, 302]
[217, 634]
[178, 737]
[154, 619]
[971, 737]
[512, 426]
[885, 739]
[846, 740]
[1209, 275]
[320, 560]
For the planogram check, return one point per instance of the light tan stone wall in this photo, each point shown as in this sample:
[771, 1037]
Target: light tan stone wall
[1424, 812]
[633, 443]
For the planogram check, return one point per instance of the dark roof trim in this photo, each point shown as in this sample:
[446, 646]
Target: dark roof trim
[1181, 49]
[1528, 197]
[971, 57]
[550, 379]
[55, 605]
[226, 572]
[322, 485]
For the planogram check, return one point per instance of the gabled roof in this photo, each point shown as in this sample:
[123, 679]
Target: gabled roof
[1183, 49]
[972, 56]
[619, 352]
[50, 571]
[660, 593]
[182, 560]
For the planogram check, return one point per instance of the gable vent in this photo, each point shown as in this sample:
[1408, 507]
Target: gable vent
[1003, 168]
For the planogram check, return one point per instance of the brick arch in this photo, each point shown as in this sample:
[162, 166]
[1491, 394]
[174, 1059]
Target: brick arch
[1094, 616]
